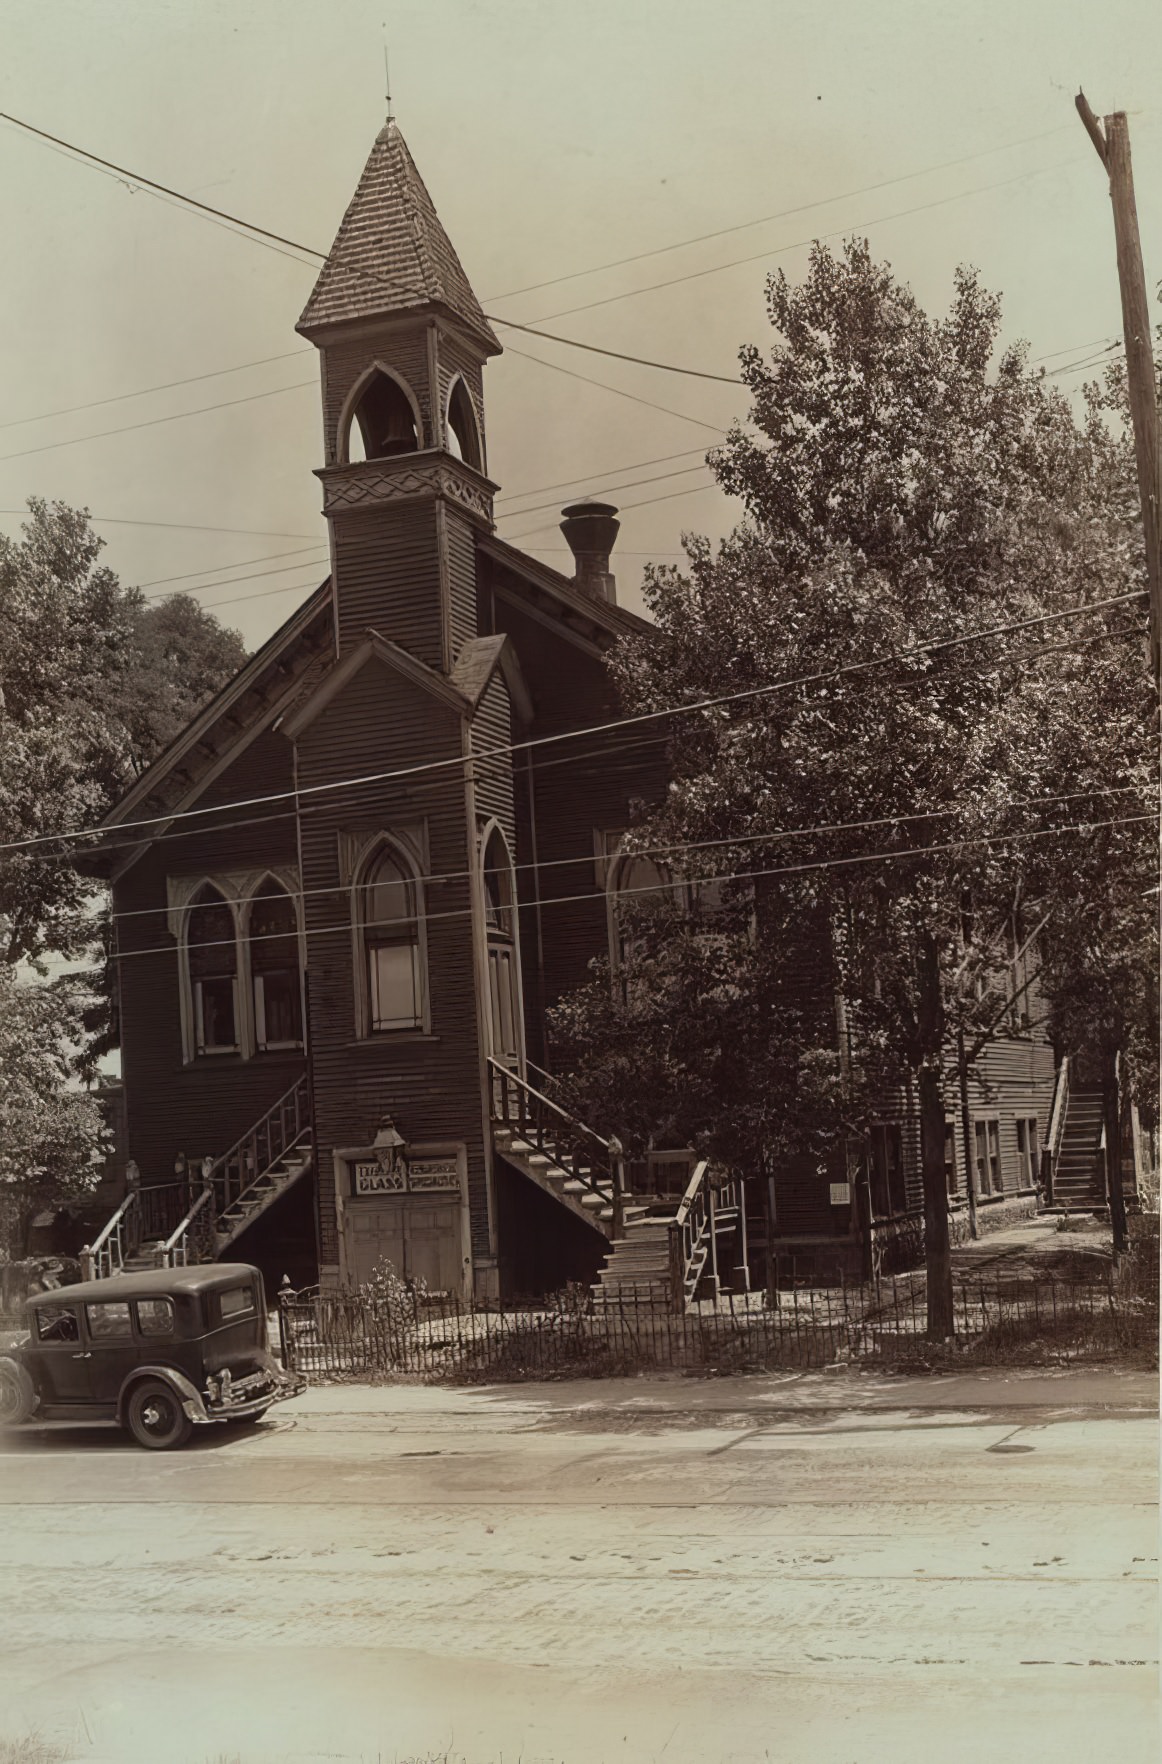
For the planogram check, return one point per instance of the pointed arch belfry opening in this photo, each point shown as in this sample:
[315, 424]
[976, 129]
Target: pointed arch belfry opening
[461, 428]
[380, 419]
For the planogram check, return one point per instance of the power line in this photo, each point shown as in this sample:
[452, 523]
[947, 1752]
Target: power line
[180, 526]
[624, 508]
[312, 564]
[843, 670]
[516, 514]
[604, 753]
[240, 563]
[906, 854]
[634, 397]
[147, 391]
[587, 477]
[773, 837]
[782, 214]
[797, 245]
[152, 422]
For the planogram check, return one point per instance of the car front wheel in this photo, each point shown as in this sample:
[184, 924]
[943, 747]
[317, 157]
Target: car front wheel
[17, 1396]
[155, 1416]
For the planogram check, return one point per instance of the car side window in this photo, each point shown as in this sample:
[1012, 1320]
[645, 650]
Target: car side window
[108, 1322]
[238, 1302]
[155, 1317]
[57, 1323]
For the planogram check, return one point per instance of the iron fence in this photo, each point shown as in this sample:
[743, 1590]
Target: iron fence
[443, 1339]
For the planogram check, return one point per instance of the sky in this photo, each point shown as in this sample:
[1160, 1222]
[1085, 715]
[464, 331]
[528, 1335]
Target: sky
[556, 139]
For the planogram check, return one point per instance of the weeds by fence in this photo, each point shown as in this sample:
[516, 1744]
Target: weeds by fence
[441, 1339]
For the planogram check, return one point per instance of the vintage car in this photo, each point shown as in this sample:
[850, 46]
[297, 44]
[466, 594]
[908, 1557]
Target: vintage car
[157, 1353]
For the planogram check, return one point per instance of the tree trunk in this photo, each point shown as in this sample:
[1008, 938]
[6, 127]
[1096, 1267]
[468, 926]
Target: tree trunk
[937, 1245]
[1112, 1118]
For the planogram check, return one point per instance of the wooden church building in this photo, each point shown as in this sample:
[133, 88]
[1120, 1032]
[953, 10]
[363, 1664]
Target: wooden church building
[348, 891]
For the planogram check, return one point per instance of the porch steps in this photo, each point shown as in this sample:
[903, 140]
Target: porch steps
[1079, 1180]
[296, 1162]
[589, 1200]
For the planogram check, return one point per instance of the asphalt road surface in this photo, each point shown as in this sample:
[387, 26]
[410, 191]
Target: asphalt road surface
[838, 1569]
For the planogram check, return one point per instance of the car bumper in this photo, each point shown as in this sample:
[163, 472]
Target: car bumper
[247, 1396]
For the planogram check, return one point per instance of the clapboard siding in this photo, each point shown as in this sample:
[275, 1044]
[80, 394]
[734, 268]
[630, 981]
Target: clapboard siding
[203, 1107]
[430, 1085]
[388, 578]
[492, 729]
[460, 544]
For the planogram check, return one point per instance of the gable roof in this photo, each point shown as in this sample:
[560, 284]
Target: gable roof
[262, 689]
[461, 691]
[391, 253]
[545, 592]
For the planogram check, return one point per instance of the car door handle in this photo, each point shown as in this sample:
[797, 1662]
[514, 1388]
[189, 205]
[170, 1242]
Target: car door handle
[82, 1356]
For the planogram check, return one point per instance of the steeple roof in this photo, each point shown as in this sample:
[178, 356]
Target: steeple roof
[391, 254]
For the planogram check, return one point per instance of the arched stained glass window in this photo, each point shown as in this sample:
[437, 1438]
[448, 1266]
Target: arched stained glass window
[390, 921]
[274, 968]
[212, 950]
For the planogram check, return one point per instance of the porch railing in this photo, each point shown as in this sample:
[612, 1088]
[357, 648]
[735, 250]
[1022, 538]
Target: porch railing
[108, 1251]
[194, 1234]
[1051, 1150]
[576, 1150]
[694, 1232]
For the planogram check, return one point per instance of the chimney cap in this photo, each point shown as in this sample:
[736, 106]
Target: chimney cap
[589, 508]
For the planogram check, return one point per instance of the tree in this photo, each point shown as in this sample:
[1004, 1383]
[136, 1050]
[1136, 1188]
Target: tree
[902, 489]
[51, 1131]
[93, 681]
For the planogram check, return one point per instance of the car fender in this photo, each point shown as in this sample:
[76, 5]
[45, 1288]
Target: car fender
[191, 1398]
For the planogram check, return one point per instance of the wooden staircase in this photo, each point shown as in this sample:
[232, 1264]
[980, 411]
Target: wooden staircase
[1079, 1174]
[174, 1224]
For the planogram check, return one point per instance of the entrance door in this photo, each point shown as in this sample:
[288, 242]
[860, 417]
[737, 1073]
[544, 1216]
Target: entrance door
[506, 1020]
[418, 1235]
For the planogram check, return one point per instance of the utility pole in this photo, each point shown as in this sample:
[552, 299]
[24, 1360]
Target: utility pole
[1111, 137]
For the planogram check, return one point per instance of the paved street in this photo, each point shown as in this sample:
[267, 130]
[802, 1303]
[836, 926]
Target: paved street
[839, 1568]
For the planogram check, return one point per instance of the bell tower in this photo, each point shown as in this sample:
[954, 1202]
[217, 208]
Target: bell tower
[402, 342]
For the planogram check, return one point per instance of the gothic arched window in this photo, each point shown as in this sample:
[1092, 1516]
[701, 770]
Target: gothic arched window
[212, 953]
[273, 946]
[384, 423]
[463, 430]
[639, 891]
[389, 920]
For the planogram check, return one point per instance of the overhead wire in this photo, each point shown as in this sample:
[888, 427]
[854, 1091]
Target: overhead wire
[681, 847]
[833, 673]
[896, 854]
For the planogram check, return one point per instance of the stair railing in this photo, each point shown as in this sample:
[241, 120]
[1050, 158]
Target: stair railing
[557, 1135]
[194, 1233]
[694, 1229]
[106, 1255]
[1051, 1150]
[250, 1157]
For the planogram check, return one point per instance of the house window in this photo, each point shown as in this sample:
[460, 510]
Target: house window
[886, 1170]
[1028, 1152]
[274, 968]
[212, 950]
[950, 1173]
[390, 922]
[987, 1145]
[640, 890]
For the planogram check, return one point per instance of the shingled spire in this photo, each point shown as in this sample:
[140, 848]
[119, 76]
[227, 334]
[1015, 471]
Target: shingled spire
[391, 254]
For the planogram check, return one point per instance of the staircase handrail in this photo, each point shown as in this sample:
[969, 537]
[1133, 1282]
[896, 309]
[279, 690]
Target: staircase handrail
[511, 1077]
[175, 1249]
[1051, 1152]
[107, 1231]
[692, 1189]
[232, 1173]
[96, 1258]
